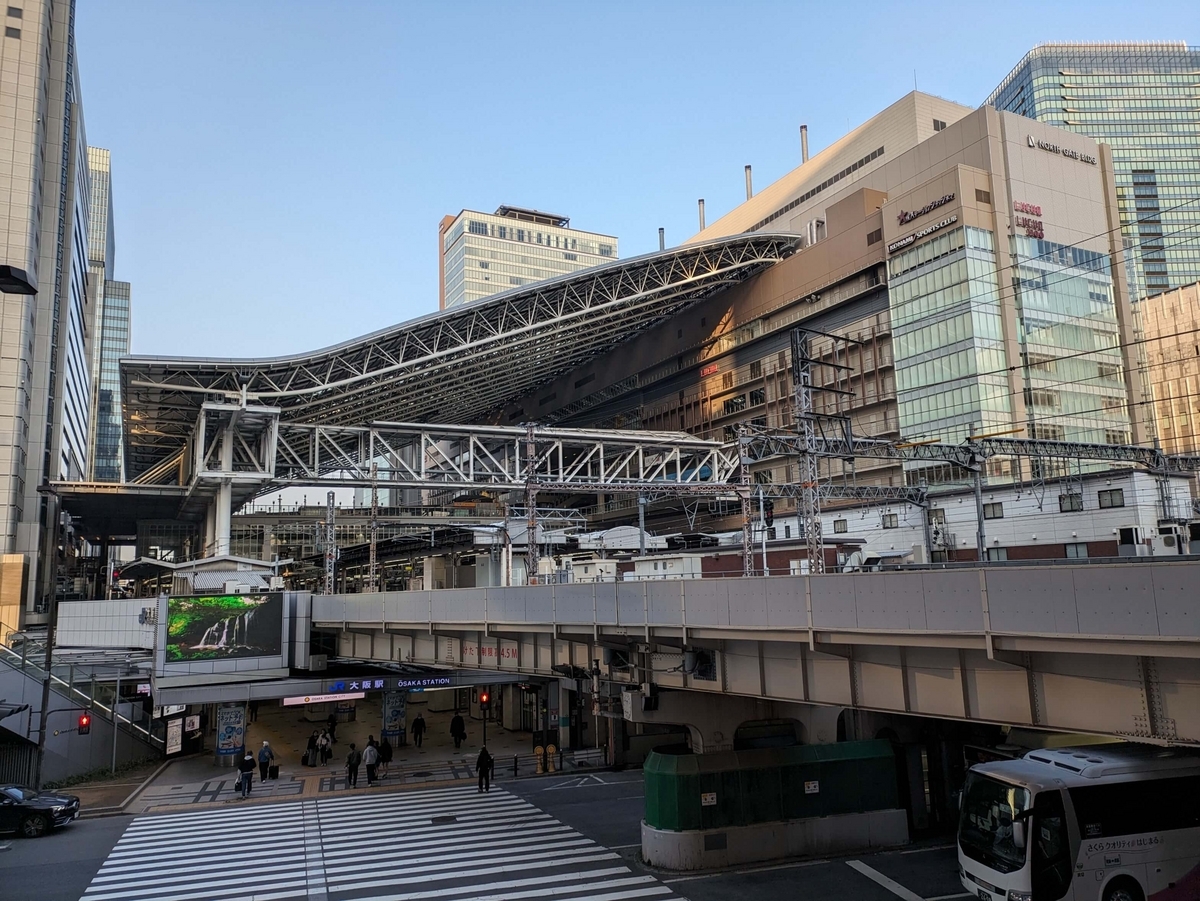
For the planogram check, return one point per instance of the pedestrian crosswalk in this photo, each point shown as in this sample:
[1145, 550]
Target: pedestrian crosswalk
[452, 843]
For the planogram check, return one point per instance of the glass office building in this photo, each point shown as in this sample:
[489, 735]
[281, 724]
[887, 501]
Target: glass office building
[485, 253]
[1143, 100]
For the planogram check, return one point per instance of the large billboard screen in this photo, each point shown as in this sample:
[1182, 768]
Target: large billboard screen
[224, 626]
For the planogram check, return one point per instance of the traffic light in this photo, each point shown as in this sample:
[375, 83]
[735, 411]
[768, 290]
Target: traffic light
[769, 513]
[485, 700]
[85, 723]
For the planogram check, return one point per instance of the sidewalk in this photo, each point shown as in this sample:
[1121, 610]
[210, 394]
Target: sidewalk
[198, 780]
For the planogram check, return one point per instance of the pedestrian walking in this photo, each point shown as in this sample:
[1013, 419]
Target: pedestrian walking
[245, 774]
[265, 756]
[418, 730]
[310, 750]
[254, 711]
[458, 730]
[370, 758]
[483, 766]
[353, 759]
[385, 757]
[323, 748]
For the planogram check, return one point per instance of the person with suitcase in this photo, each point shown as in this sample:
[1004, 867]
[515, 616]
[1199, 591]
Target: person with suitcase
[245, 774]
[310, 752]
[265, 756]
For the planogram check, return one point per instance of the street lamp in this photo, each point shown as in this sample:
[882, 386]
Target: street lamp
[15, 281]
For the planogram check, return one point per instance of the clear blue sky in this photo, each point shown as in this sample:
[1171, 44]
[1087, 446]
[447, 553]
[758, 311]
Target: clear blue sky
[280, 166]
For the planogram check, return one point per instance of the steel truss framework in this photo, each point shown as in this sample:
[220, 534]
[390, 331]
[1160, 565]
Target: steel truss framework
[460, 364]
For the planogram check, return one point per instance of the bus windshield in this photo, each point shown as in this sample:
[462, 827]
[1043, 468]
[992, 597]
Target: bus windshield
[985, 831]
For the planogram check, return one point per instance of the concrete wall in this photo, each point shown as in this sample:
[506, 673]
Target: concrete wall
[709, 848]
[67, 754]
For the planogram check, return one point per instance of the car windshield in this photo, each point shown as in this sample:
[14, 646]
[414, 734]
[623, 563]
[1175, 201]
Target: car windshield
[19, 794]
[985, 830]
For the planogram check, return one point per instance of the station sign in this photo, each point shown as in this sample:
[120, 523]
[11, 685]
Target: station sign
[323, 699]
[390, 683]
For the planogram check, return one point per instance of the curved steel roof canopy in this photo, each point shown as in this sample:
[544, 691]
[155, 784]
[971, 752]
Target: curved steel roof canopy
[456, 365]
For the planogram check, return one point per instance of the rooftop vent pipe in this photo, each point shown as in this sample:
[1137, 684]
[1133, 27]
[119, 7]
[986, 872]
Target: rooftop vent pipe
[803, 143]
[701, 214]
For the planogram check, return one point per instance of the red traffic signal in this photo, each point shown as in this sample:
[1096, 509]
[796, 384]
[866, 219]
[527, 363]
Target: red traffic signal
[769, 513]
[85, 723]
[485, 700]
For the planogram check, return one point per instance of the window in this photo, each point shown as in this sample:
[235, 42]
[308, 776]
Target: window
[1113, 497]
[787, 531]
[997, 553]
[731, 433]
[874, 237]
[1130, 808]
[15, 13]
[549, 397]
[679, 333]
[891, 521]
[483, 265]
[579, 383]
[756, 369]
[571, 256]
[11, 32]
[477, 228]
[938, 124]
[1077, 551]
[1041, 398]
[993, 511]
[758, 396]
[937, 515]
[1070, 503]
[841, 526]
[1046, 432]
[734, 404]
[983, 196]
[764, 477]
[727, 380]
[606, 250]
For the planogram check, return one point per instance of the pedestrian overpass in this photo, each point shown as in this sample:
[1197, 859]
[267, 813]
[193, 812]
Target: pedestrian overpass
[1105, 648]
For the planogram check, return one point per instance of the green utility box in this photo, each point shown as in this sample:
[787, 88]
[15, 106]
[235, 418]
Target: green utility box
[687, 791]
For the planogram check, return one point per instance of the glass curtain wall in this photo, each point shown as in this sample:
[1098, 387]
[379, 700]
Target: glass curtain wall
[949, 350]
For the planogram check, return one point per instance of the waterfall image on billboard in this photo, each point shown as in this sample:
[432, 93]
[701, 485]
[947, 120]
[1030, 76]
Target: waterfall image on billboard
[222, 626]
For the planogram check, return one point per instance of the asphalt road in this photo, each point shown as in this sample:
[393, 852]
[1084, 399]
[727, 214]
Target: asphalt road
[58, 866]
[605, 807]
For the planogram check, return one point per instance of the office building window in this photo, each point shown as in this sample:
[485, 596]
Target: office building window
[1077, 551]
[1070, 503]
[756, 369]
[11, 32]
[993, 511]
[1113, 497]
[477, 228]
[997, 553]
[874, 237]
[983, 196]
[938, 124]
[841, 526]
[727, 380]
[758, 396]
[734, 404]
[891, 521]
[15, 13]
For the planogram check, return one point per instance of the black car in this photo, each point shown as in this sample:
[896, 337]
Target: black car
[33, 813]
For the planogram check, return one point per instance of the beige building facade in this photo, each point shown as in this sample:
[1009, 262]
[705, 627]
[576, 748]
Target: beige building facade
[979, 269]
[1172, 328]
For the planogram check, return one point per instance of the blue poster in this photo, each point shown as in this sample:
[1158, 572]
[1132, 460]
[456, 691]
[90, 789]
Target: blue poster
[395, 716]
[231, 730]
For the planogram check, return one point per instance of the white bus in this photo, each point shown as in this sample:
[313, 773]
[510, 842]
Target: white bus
[1103, 823]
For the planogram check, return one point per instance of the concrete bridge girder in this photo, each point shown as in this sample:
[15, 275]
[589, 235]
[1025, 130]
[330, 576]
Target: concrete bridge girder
[1137, 696]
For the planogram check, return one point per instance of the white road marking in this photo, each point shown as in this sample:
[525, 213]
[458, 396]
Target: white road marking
[890, 884]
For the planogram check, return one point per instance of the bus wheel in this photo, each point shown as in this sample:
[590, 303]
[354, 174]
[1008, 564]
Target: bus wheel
[1124, 889]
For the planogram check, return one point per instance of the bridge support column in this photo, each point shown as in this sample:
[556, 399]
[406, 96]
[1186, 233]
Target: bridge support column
[712, 720]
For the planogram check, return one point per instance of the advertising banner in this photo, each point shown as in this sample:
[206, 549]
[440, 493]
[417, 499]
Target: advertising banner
[395, 716]
[231, 730]
[219, 627]
[174, 736]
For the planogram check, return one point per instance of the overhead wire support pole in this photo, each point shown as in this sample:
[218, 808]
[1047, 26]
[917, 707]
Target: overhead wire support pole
[810, 472]
[744, 497]
[531, 518]
[330, 544]
[372, 563]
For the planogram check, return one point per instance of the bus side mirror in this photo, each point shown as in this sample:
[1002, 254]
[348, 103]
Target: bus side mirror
[1018, 828]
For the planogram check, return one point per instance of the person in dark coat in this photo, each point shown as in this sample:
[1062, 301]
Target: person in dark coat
[332, 721]
[385, 757]
[458, 730]
[324, 747]
[245, 774]
[418, 730]
[353, 761]
[483, 766]
[310, 752]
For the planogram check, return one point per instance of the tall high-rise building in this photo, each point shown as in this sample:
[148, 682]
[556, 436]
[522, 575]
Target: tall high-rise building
[1141, 100]
[486, 253]
[108, 328]
[44, 364]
